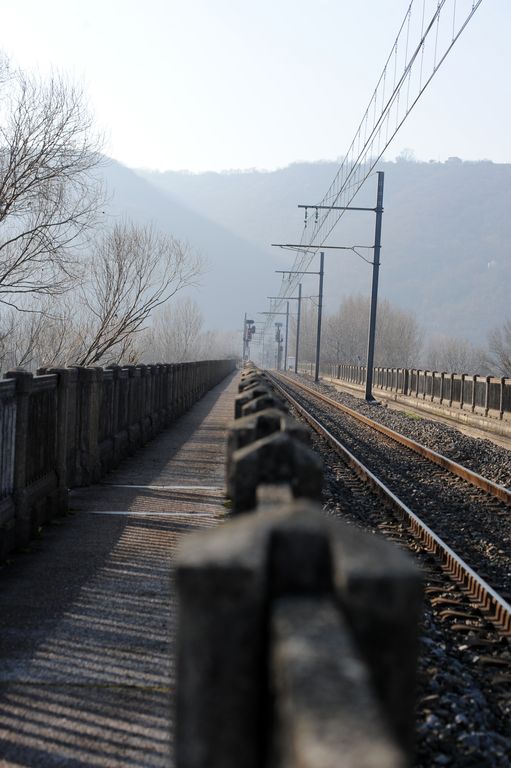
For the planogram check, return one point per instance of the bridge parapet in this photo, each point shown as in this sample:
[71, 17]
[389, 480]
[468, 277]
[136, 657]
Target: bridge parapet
[66, 427]
[297, 634]
[487, 396]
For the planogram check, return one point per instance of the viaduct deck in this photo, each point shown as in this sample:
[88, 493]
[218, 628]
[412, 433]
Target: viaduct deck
[87, 672]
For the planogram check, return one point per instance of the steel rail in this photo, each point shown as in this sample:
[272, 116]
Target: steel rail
[479, 592]
[494, 489]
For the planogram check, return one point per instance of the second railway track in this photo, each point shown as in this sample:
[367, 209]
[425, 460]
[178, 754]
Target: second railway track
[460, 517]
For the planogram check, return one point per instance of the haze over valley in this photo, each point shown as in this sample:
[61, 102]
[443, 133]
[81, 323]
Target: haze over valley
[446, 236]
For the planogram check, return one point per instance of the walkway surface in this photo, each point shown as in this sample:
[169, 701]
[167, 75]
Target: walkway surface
[88, 617]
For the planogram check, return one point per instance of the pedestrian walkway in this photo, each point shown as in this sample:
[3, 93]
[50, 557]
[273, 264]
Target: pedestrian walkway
[87, 668]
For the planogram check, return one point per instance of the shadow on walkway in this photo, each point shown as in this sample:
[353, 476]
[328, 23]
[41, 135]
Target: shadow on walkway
[87, 645]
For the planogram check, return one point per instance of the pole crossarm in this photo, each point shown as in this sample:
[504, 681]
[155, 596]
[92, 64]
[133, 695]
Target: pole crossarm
[291, 272]
[331, 248]
[292, 247]
[326, 247]
[335, 208]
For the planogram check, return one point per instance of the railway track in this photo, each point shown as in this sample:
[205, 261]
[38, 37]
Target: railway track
[459, 517]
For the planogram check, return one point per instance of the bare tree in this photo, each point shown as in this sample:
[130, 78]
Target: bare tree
[48, 194]
[133, 271]
[31, 339]
[499, 342]
[308, 326]
[345, 337]
[398, 337]
[454, 355]
[175, 335]
[220, 345]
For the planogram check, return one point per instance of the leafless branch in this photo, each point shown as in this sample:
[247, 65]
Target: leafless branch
[133, 271]
[49, 196]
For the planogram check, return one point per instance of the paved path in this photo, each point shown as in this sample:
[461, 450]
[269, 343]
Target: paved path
[88, 617]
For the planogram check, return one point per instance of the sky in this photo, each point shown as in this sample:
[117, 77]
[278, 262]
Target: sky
[230, 84]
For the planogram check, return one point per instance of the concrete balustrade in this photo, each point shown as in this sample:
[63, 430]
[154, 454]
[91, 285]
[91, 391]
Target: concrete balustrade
[487, 396]
[297, 637]
[67, 427]
[297, 634]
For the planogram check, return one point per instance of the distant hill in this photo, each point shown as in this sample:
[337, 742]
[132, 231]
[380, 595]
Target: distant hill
[446, 236]
[233, 264]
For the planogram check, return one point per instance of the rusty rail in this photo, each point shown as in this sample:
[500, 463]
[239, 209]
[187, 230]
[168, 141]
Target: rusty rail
[494, 607]
[494, 489]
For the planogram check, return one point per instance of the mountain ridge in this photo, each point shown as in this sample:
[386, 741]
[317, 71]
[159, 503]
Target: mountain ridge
[446, 235]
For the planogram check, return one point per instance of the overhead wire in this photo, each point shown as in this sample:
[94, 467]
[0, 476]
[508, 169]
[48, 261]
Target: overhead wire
[366, 149]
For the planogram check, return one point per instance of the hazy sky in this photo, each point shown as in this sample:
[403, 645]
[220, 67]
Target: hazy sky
[224, 84]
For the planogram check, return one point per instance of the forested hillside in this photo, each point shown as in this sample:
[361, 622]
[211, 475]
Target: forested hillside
[446, 235]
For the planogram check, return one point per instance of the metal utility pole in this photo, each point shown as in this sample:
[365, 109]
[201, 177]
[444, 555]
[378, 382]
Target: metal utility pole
[320, 311]
[278, 339]
[374, 290]
[376, 267]
[298, 325]
[299, 297]
[287, 332]
[286, 313]
[243, 356]
[299, 300]
[278, 333]
[248, 332]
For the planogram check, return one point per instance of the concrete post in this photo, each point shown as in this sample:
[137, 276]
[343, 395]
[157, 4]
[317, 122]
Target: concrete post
[451, 379]
[325, 712]
[263, 402]
[134, 416]
[63, 386]
[247, 429]
[487, 395]
[24, 384]
[264, 596]
[277, 459]
[221, 638]
[247, 395]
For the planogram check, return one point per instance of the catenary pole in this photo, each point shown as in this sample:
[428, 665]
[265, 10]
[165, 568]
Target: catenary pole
[243, 357]
[287, 333]
[320, 309]
[298, 325]
[374, 290]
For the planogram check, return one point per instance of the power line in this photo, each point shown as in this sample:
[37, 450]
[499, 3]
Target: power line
[419, 49]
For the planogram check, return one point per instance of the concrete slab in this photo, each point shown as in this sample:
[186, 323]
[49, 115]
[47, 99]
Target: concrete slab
[88, 616]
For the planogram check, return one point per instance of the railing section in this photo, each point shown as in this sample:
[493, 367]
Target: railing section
[484, 395]
[66, 427]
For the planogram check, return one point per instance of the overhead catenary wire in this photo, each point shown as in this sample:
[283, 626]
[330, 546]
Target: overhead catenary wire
[425, 45]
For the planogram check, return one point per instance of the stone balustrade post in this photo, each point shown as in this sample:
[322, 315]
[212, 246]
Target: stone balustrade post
[63, 389]
[24, 384]
[319, 613]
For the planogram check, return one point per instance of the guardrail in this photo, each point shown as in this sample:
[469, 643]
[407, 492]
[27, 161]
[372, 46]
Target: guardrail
[488, 396]
[297, 634]
[66, 427]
